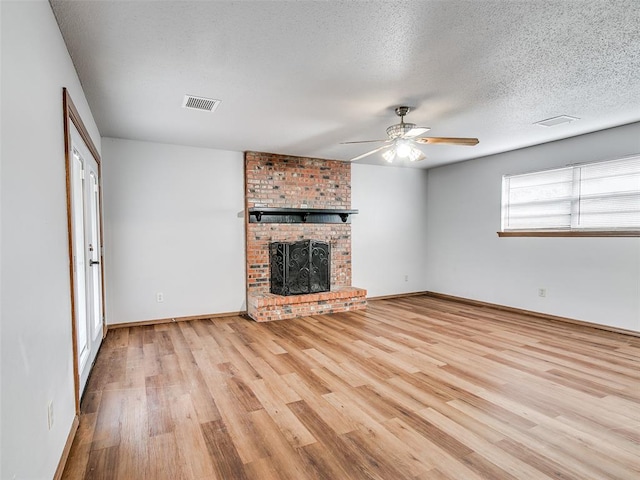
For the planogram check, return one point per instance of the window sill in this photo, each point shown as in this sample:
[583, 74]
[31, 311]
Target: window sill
[568, 233]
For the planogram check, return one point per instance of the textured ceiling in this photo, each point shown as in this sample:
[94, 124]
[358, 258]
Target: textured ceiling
[299, 77]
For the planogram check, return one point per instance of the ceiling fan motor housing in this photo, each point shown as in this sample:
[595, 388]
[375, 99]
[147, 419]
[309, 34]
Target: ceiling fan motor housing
[402, 111]
[400, 129]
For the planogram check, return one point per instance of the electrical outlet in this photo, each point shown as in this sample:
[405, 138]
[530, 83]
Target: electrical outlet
[50, 415]
[406, 278]
[159, 297]
[542, 292]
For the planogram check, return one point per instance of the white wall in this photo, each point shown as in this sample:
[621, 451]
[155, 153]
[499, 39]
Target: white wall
[387, 236]
[36, 313]
[172, 226]
[591, 279]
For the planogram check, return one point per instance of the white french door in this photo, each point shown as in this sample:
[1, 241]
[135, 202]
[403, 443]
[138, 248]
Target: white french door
[87, 255]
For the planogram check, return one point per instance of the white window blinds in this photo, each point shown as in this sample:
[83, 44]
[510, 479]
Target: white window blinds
[596, 196]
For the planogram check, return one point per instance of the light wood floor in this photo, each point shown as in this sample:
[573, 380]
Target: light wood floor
[412, 388]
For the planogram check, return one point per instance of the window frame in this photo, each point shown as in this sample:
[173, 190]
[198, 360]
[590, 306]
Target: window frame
[571, 230]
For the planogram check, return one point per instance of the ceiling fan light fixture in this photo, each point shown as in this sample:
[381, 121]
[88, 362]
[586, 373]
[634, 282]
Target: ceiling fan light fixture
[403, 149]
[415, 154]
[389, 155]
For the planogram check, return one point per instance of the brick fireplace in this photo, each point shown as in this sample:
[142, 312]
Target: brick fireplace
[286, 182]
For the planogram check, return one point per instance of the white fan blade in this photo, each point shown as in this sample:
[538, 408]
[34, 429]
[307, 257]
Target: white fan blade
[414, 132]
[369, 153]
[363, 141]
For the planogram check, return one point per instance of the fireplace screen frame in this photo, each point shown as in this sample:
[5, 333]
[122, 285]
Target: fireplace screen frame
[299, 268]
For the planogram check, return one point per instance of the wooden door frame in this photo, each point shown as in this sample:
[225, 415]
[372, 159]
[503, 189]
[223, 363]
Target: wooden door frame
[71, 115]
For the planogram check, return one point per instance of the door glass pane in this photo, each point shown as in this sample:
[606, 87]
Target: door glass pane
[80, 260]
[94, 241]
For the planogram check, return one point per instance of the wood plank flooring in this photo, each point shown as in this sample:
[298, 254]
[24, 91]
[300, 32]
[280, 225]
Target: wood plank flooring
[412, 388]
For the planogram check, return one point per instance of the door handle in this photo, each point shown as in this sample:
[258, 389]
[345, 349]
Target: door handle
[93, 262]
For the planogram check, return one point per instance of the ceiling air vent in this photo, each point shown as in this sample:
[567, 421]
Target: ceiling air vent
[552, 122]
[200, 103]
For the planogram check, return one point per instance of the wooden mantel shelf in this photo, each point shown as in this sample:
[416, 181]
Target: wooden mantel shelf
[299, 215]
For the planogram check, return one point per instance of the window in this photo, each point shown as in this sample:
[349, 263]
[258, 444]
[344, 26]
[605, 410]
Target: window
[594, 197]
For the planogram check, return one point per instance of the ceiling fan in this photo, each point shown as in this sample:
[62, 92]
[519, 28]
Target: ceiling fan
[403, 138]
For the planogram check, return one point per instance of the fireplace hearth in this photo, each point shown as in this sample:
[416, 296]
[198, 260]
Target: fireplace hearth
[299, 268]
